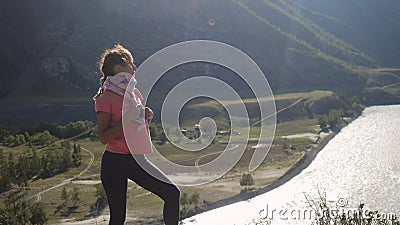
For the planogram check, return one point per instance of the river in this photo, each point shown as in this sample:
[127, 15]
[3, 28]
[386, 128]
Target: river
[361, 164]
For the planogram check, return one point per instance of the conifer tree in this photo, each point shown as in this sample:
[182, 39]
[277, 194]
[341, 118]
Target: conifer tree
[64, 195]
[75, 196]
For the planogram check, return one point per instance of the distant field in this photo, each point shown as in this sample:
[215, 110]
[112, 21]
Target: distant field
[312, 94]
[143, 205]
[281, 101]
[147, 206]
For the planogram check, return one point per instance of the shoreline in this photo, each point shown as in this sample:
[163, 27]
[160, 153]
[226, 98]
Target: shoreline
[296, 169]
[293, 171]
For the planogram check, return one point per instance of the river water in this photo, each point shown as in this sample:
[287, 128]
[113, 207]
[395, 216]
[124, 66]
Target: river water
[359, 165]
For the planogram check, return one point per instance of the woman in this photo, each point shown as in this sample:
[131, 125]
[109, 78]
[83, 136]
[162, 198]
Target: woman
[117, 164]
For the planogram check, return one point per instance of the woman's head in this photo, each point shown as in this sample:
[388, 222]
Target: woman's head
[115, 60]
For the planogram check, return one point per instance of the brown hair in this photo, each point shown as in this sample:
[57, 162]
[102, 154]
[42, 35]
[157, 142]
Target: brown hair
[118, 55]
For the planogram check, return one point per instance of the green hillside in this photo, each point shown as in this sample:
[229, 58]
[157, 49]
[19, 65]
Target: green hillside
[300, 46]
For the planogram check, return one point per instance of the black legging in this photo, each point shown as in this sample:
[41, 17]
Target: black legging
[115, 171]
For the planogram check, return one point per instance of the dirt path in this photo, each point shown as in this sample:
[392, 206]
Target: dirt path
[283, 109]
[67, 181]
[391, 71]
[104, 219]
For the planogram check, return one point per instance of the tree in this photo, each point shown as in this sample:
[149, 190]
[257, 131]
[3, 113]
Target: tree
[333, 116]
[2, 159]
[11, 167]
[61, 131]
[76, 155]
[184, 199]
[52, 162]
[357, 107]
[19, 139]
[162, 137]
[66, 161]
[3, 216]
[190, 204]
[194, 199]
[246, 180]
[39, 216]
[23, 171]
[9, 140]
[27, 137]
[101, 198]
[77, 148]
[64, 195]
[35, 163]
[75, 196]
[12, 140]
[18, 211]
[153, 131]
[5, 181]
[66, 145]
[43, 138]
[322, 121]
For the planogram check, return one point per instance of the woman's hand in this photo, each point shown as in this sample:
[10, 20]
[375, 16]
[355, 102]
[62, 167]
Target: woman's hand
[148, 113]
[132, 114]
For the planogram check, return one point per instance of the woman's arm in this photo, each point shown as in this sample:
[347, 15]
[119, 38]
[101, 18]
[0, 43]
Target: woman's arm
[105, 130]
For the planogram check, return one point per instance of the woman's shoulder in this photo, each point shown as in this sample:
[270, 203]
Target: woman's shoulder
[107, 96]
[107, 101]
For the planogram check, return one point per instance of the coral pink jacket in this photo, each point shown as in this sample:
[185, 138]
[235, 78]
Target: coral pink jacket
[132, 140]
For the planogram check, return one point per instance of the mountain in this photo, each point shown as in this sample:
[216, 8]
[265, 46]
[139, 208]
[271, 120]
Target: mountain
[49, 49]
[372, 26]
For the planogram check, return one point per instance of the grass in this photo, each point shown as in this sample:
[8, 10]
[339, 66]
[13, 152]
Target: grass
[312, 94]
[297, 126]
[186, 157]
[148, 206]
[300, 125]
[143, 206]
[285, 96]
[56, 210]
[97, 149]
